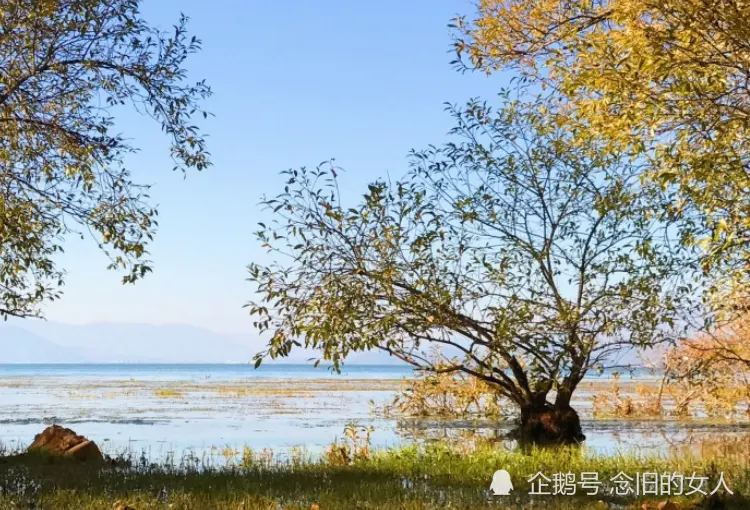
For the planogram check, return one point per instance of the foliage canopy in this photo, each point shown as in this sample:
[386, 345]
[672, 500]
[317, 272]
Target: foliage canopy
[662, 79]
[65, 68]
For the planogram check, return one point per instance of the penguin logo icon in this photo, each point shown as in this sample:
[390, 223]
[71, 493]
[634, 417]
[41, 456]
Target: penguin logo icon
[501, 484]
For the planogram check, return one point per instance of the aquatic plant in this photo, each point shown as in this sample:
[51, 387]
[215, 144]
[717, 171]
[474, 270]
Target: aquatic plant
[700, 377]
[448, 395]
[642, 403]
[357, 448]
[169, 393]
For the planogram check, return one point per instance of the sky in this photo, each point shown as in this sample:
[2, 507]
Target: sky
[295, 83]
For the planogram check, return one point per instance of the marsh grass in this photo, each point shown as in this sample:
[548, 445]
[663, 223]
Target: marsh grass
[416, 477]
[246, 391]
[122, 388]
[169, 393]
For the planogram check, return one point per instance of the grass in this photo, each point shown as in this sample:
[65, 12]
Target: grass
[433, 477]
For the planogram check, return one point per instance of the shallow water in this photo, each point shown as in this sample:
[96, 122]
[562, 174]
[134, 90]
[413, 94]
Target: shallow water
[162, 409]
[165, 410]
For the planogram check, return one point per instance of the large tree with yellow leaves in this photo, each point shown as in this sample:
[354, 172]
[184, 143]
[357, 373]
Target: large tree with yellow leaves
[65, 66]
[668, 80]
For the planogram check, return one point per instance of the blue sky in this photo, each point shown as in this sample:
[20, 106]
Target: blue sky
[295, 83]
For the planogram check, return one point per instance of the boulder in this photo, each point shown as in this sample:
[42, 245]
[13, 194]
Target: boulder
[119, 505]
[61, 442]
[667, 505]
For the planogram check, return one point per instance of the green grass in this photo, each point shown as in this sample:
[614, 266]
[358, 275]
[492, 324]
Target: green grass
[436, 477]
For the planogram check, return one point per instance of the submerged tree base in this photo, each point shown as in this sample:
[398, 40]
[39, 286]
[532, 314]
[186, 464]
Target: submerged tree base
[549, 425]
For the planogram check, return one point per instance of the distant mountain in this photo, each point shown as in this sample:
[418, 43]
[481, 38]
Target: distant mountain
[35, 341]
[20, 346]
[135, 343]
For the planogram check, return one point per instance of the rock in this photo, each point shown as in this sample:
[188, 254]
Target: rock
[85, 451]
[667, 505]
[62, 442]
[119, 505]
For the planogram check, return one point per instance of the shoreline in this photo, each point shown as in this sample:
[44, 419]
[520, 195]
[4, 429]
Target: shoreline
[430, 477]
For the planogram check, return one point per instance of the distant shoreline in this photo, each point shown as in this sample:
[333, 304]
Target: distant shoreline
[636, 374]
[233, 363]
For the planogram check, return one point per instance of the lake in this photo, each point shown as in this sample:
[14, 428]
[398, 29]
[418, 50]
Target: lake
[169, 410]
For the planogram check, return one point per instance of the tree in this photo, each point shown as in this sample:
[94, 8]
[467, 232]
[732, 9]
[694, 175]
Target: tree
[664, 79]
[695, 379]
[66, 67]
[697, 372]
[528, 260]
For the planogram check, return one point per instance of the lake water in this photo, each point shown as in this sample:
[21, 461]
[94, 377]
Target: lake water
[170, 408]
[164, 410]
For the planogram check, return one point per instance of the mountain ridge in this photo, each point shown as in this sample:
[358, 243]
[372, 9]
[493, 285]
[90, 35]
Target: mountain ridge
[38, 341]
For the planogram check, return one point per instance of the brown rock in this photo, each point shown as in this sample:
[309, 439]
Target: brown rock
[86, 451]
[119, 505]
[667, 505]
[59, 441]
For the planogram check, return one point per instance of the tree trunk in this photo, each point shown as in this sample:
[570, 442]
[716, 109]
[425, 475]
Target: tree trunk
[549, 424]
